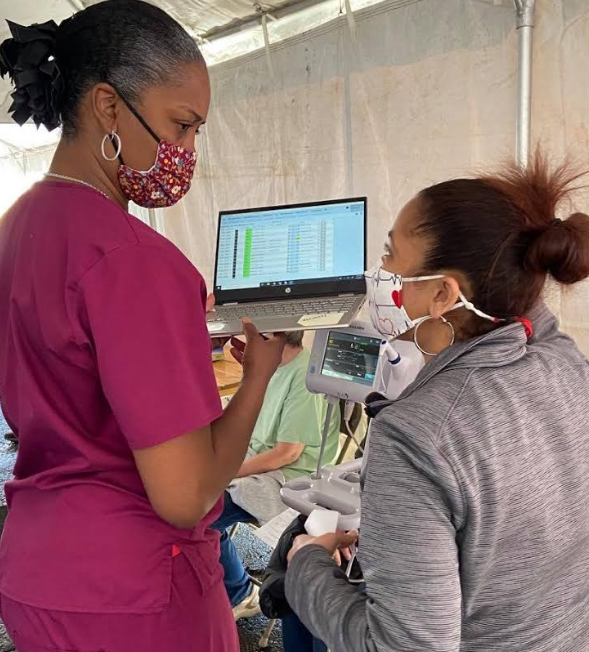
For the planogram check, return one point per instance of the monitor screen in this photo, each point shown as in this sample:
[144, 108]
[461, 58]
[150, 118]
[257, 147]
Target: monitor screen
[351, 357]
[272, 247]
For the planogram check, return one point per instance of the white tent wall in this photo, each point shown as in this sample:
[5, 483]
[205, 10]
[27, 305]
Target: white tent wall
[425, 92]
[18, 170]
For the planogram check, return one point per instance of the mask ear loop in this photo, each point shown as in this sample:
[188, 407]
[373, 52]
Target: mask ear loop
[134, 111]
[419, 323]
[465, 303]
[141, 120]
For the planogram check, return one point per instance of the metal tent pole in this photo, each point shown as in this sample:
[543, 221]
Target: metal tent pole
[525, 30]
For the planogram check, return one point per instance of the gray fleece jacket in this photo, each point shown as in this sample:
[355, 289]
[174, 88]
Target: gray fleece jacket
[475, 509]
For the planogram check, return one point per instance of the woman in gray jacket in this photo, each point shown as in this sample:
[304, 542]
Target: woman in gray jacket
[475, 510]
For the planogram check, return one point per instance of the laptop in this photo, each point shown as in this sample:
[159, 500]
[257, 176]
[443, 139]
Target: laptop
[287, 268]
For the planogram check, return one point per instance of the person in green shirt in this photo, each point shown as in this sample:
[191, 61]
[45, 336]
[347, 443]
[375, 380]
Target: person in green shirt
[285, 444]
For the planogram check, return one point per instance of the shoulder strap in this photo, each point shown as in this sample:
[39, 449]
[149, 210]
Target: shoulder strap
[375, 402]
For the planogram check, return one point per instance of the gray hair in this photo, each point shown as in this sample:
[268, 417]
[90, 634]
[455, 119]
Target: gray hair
[295, 338]
[129, 44]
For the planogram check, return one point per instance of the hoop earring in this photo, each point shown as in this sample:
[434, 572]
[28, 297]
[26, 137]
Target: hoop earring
[112, 136]
[445, 321]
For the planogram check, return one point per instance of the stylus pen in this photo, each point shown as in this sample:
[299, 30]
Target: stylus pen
[354, 551]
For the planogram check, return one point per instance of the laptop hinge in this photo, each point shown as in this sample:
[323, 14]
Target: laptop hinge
[346, 294]
[233, 303]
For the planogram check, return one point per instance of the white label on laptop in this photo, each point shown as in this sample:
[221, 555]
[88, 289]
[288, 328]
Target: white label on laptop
[214, 326]
[321, 319]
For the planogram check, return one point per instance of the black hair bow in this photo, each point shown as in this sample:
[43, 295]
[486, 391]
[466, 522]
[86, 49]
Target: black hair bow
[28, 58]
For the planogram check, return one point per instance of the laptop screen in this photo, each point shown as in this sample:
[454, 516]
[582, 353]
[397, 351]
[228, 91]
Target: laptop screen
[291, 249]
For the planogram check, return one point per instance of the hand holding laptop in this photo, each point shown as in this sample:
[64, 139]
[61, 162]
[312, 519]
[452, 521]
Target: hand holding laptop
[238, 346]
[259, 355]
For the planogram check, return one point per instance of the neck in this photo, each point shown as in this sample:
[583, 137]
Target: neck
[289, 354]
[73, 158]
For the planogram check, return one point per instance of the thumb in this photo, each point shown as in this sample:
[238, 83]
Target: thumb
[249, 330]
[345, 539]
[334, 540]
[210, 302]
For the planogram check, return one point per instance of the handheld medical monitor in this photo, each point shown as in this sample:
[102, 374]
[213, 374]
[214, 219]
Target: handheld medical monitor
[345, 362]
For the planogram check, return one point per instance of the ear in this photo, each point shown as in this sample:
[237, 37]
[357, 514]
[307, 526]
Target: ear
[445, 298]
[106, 105]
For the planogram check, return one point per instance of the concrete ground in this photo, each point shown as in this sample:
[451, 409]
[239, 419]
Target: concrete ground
[253, 552]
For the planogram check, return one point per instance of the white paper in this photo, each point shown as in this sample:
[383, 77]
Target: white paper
[321, 319]
[321, 521]
[272, 531]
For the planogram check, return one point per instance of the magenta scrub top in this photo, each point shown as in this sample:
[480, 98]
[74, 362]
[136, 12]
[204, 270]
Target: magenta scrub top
[103, 350]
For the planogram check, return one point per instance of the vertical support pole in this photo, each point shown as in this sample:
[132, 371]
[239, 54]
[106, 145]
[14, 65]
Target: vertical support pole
[525, 31]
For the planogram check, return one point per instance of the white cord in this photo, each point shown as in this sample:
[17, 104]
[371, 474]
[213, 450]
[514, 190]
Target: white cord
[353, 437]
[348, 412]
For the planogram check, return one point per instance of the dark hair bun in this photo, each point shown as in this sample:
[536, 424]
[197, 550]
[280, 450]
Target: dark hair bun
[562, 250]
[28, 58]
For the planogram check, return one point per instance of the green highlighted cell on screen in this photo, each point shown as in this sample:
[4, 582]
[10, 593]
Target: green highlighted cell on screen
[247, 254]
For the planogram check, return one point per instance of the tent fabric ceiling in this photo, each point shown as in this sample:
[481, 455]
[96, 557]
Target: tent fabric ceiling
[202, 18]
[206, 17]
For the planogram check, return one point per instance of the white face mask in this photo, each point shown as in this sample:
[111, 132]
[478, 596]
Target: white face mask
[384, 291]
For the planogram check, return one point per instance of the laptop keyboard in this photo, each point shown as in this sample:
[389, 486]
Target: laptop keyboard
[282, 308]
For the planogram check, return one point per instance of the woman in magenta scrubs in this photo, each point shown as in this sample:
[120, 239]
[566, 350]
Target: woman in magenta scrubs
[105, 358]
